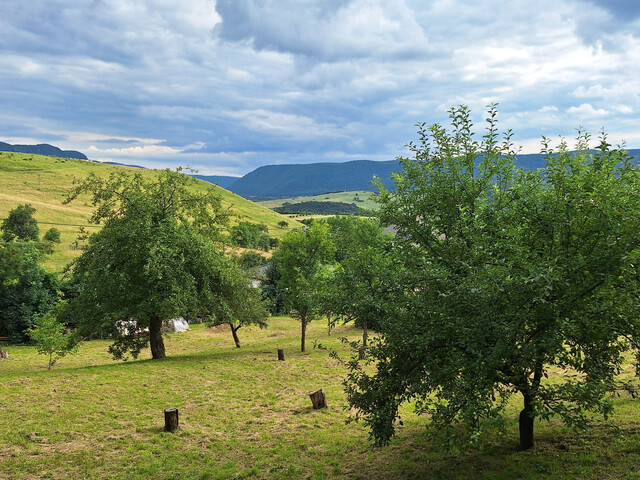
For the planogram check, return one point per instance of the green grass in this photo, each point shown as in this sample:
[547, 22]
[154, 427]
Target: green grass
[346, 197]
[243, 414]
[43, 182]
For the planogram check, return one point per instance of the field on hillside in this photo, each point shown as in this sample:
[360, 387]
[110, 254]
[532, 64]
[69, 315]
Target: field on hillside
[346, 197]
[244, 414]
[43, 182]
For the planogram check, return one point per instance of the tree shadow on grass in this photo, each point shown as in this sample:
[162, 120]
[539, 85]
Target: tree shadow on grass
[564, 454]
[203, 358]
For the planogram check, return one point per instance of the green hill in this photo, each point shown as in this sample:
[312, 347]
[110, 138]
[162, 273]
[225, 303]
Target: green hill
[43, 182]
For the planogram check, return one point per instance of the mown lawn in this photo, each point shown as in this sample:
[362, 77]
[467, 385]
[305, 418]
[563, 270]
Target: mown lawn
[243, 414]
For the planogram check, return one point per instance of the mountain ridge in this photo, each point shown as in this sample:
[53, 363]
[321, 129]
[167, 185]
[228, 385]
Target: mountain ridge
[42, 149]
[270, 182]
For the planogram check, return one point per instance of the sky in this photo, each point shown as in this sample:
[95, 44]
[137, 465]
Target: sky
[225, 86]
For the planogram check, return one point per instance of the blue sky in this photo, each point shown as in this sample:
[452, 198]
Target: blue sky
[228, 85]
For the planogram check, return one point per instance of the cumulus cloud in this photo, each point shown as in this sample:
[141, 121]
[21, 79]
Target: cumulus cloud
[586, 110]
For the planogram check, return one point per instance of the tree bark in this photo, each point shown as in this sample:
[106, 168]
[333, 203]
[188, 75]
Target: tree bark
[303, 321]
[155, 338]
[234, 332]
[526, 423]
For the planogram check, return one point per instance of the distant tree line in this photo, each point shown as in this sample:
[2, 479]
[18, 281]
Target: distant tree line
[319, 208]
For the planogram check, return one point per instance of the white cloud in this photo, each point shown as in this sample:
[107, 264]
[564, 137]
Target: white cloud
[586, 110]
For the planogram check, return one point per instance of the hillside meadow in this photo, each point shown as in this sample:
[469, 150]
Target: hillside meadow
[244, 414]
[43, 182]
[365, 199]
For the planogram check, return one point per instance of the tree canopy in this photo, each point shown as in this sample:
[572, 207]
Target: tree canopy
[20, 224]
[300, 258]
[26, 289]
[510, 273]
[363, 274]
[237, 303]
[155, 258]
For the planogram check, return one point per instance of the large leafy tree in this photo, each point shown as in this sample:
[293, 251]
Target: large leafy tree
[154, 259]
[512, 273]
[300, 259]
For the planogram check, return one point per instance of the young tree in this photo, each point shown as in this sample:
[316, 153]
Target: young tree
[154, 258]
[300, 258]
[237, 304]
[20, 224]
[511, 273]
[48, 333]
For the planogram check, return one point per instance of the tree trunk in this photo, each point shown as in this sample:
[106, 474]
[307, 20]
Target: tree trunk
[365, 335]
[234, 332]
[155, 338]
[526, 423]
[303, 321]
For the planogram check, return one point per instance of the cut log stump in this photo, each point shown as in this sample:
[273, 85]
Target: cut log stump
[281, 354]
[170, 419]
[318, 399]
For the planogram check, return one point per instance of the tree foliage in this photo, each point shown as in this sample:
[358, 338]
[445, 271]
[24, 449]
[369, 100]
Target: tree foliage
[50, 339]
[300, 258]
[363, 274]
[251, 235]
[20, 224]
[26, 289]
[237, 304]
[510, 273]
[155, 258]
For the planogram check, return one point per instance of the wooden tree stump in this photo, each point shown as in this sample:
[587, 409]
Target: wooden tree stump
[281, 354]
[170, 419]
[318, 399]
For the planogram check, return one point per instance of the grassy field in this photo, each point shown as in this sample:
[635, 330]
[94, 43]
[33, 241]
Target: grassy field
[346, 197]
[44, 181]
[243, 414]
